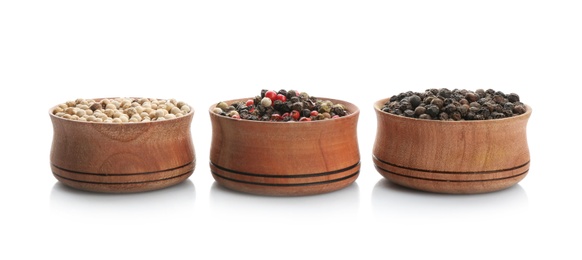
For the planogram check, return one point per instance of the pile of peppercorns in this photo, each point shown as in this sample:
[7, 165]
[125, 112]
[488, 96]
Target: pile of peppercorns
[121, 110]
[283, 105]
[455, 105]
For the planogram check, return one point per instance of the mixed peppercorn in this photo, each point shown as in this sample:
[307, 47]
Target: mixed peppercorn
[283, 105]
[455, 105]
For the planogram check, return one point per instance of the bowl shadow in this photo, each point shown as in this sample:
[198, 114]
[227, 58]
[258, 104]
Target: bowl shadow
[175, 200]
[338, 205]
[392, 200]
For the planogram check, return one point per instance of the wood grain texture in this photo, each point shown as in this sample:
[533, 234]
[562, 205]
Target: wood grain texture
[122, 158]
[285, 158]
[451, 156]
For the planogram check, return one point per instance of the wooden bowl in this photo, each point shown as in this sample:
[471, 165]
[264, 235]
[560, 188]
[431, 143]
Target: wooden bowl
[285, 158]
[122, 157]
[451, 156]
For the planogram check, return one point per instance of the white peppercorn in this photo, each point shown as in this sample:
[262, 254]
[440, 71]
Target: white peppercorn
[217, 110]
[121, 110]
[160, 112]
[266, 102]
[58, 110]
[70, 111]
[80, 112]
[111, 106]
[175, 110]
[185, 108]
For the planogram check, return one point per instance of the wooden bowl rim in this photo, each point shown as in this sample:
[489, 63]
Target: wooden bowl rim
[379, 103]
[187, 115]
[350, 114]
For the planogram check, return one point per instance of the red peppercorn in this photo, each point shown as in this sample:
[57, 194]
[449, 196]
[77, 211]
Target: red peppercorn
[276, 117]
[286, 114]
[305, 119]
[281, 97]
[250, 102]
[236, 117]
[314, 113]
[295, 114]
[271, 95]
[335, 116]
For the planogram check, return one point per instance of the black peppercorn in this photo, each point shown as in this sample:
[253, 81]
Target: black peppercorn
[484, 112]
[96, 106]
[297, 106]
[499, 99]
[419, 110]
[471, 97]
[463, 110]
[437, 102]
[432, 110]
[450, 108]
[519, 109]
[409, 113]
[424, 116]
[443, 116]
[470, 116]
[404, 105]
[513, 98]
[458, 104]
[496, 115]
[415, 101]
[444, 93]
[456, 116]
[305, 113]
[294, 99]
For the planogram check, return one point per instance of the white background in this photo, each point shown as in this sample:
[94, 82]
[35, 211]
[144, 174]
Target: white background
[202, 52]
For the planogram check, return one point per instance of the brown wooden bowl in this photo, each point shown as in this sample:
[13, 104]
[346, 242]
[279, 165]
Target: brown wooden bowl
[285, 158]
[122, 157]
[451, 156]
